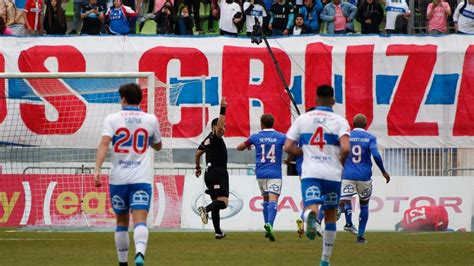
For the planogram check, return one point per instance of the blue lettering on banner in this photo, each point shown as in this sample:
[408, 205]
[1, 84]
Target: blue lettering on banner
[443, 89]
[296, 90]
[338, 88]
[384, 86]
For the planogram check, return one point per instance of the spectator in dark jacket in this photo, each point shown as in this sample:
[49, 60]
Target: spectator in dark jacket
[54, 21]
[92, 16]
[164, 19]
[300, 28]
[370, 14]
[185, 23]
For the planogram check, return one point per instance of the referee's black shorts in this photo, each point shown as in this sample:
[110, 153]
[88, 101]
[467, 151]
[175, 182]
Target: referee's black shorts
[217, 182]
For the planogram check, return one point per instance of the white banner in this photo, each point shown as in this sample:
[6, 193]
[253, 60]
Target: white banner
[387, 205]
[407, 105]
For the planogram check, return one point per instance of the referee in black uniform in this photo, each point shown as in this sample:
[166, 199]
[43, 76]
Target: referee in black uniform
[216, 176]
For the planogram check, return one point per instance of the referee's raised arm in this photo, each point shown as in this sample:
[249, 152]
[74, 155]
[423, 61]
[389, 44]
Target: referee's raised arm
[220, 127]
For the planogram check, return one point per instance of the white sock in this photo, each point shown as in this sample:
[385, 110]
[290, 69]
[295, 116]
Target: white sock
[328, 243]
[140, 235]
[122, 243]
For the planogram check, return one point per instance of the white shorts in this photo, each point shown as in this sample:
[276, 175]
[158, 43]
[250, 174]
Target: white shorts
[269, 186]
[351, 187]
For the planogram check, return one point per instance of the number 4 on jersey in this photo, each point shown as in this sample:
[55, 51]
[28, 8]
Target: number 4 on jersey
[318, 138]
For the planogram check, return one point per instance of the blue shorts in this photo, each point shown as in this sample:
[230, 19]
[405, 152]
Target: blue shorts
[319, 191]
[131, 196]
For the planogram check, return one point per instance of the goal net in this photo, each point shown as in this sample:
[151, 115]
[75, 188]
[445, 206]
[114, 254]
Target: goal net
[50, 127]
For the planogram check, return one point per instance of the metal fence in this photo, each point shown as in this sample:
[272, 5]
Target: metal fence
[429, 161]
[398, 162]
[85, 170]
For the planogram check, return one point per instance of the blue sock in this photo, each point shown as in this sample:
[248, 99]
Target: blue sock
[348, 212]
[363, 218]
[321, 214]
[272, 211]
[265, 211]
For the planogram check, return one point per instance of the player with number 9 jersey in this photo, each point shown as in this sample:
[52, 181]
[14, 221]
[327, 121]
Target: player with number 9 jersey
[132, 132]
[358, 165]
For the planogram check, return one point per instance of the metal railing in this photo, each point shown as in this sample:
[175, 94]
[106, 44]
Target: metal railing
[455, 170]
[244, 170]
[397, 161]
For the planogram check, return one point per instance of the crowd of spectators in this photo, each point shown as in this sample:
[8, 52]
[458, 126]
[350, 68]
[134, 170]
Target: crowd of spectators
[276, 17]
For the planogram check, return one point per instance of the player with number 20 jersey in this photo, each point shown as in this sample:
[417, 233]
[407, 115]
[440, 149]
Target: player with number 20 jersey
[132, 132]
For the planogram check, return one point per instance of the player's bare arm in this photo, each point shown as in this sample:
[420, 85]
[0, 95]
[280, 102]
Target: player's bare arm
[386, 176]
[100, 158]
[197, 159]
[344, 152]
[243, 146]
[291, 148]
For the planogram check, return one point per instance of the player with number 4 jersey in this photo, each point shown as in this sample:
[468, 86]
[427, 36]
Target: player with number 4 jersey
[132, 132]
[324, 139]
[357, 175]
[268, 145]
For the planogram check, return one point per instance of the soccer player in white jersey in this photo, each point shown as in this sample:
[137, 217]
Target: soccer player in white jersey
[324, 139]
[131, 132]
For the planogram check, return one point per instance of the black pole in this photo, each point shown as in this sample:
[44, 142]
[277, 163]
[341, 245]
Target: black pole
[259, 30]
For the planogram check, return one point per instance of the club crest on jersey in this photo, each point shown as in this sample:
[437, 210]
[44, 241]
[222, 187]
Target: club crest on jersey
[313, 193]
[140, 197]
[118, 203]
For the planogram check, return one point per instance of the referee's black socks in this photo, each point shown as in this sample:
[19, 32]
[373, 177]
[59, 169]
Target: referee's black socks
[215, 206]
[216, 221]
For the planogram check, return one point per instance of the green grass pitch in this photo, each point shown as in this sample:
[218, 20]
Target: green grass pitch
[239, 248]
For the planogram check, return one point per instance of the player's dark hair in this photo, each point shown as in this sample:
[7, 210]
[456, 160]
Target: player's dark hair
[131, 92]
[214, 122]
[325, 91]
[359, 121]
[267, 120]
